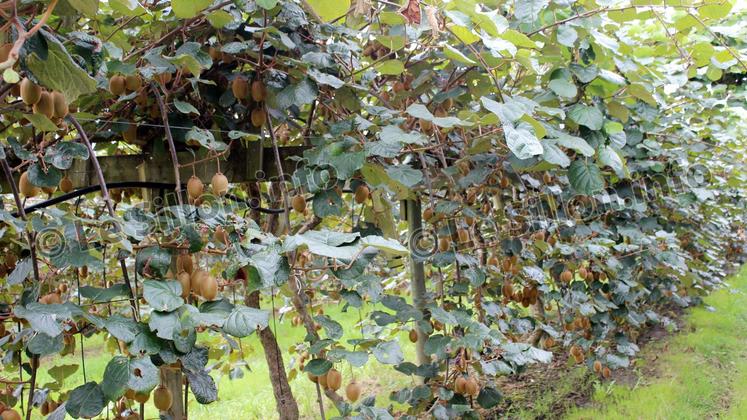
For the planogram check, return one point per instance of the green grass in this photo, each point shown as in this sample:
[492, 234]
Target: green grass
[701, 373]
[251, 396]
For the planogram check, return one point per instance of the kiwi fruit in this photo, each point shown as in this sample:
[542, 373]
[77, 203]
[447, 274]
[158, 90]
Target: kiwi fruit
[606, 372]
[597, 366]
[44, 105]
[5, 52]
[313, 378]
[299, 203]
[463, 235]
[214, 53]
[184, 263]
[59, 105]
[25, 186]
[142, 397]
[133, 82]
[209, 288]
[460, 384]
[10, 414]
[44, 408]
[259, 117]
[164, 78]
[186, 281]
[361, 194]
[549, 343]
[162, 398]
[49, 190]
[471, 387]
[334, 379]
[566, 276]
[240, 87]
[426, 125]
[195, 187]
[493, 261]
[30, 92]
[219, 184]
[62, 288]
[353, 391]
[444, 243]
[117, 85]
[323, 380]
[130, 134]
[258, 91]
[220, 235]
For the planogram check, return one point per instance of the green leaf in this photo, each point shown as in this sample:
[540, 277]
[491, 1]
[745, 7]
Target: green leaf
[185, 107]
[607, 156]
[388, 353]
[86, 401]
[390, 67]
[325, 79]
[330, 10]
[267, 4]
[489, 397]
[49, 179]
[576, 143]
[44, 345]
[331, 327]
[521, 141]
[153, 262]
[116, 375]
[318, 366]
[585, 177]
[455, 55]
[97, 294]
[204, 138]
[186, 9]
[202, 386]
[10, 76]
[41, 122]
[164, 324]
[163, 295]
[87, 7]
[143, 375]
[563, 87]
[219, 18]
[244, 320]
[58, 71]
[588, 116]
[62, 153]
[121, 328]
[405, 175]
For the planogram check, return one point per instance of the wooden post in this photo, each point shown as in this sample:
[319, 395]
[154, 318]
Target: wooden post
[171, 378]
[417, 271]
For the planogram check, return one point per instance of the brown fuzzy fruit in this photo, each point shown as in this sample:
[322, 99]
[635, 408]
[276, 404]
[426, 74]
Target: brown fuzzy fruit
[142, 397]
[130, 134]
[162, 398]
[597, 366]
[195, 187]
[10, 414]
[606, 372]
[184, 263]
[463, 235]
[353, 391]
[26, 187]
[240, 88]
[133, 82]
[220, 235]
[117, 84]
[444, 243]
[44, 409]
[566, 276]
[312, 378]
[44, 105]
[219, 184]
[549, 343]
[361, 194]
[258, 91]
[5, 51]
[334, 379]
[323, 380]
[460, 384]
[164, 78]
[209, 288]
[259, 117]
[30, 92]
[197, 279]
[299, 203]
[471, 387]
[413, 336]
[59, 105]
[186, 281]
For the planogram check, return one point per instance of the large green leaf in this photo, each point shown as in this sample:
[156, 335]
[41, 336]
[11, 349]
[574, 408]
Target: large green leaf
[58, 71]
[585, 177]
[186, 9]
[163, 295]
[588, 116]
[244, 320]
[116, 375]
[329, 10]
[86, 401]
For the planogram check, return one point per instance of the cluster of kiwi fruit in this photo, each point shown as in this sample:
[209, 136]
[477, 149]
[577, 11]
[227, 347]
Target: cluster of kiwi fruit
[48, 407]
[195, 187]
[527, 296]
[243, 91]
[333, 380]
[375, 50]
[52, 104]
[194, 279]
[27, 189]
[466, 385]
[601, 369]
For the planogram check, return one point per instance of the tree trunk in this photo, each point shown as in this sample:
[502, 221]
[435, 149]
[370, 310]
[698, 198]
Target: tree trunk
[286, 404]
[417, 288]
[171, 378]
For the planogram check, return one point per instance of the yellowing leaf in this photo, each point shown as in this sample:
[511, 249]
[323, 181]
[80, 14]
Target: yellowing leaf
[330, 9]
[186, 9]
